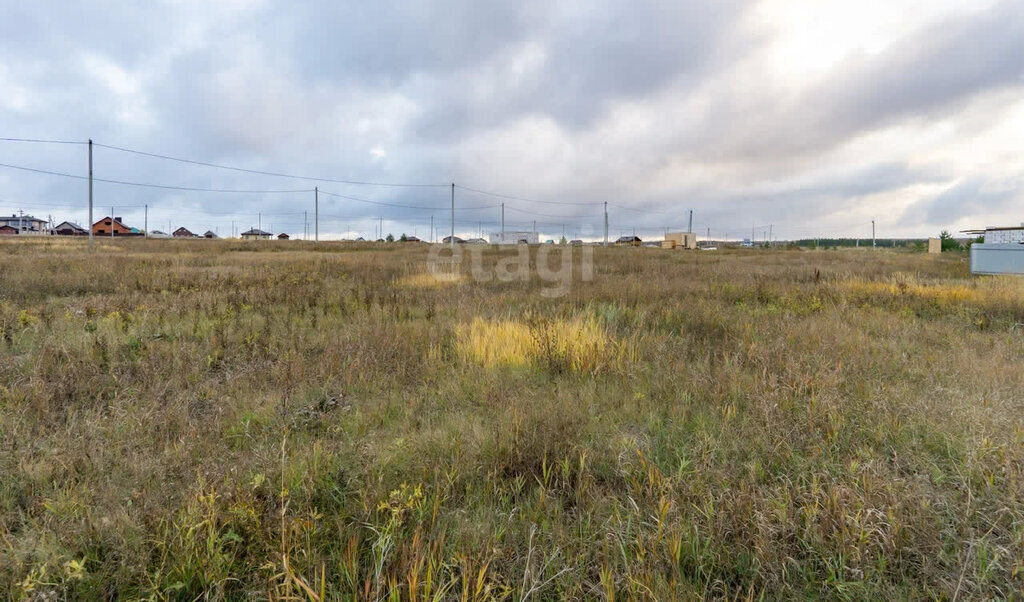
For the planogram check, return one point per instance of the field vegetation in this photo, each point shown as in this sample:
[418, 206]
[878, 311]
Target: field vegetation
[223, 420]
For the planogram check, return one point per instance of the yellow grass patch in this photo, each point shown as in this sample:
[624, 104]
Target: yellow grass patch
[580, 344]
[906, 286]
[427, 280]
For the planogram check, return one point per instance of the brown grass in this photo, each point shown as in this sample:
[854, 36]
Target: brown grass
[190, 419]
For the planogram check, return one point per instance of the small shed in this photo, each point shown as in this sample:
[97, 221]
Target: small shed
[183, 232]
[629, 241]
[210, 234]
[6, 230]
[934, 245]
[283, 236]
[685, 240]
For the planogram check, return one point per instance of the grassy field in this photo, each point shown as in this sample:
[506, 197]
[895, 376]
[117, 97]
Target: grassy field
[225, 420]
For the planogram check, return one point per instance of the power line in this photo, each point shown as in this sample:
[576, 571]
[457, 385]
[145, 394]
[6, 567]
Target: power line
[550, 215]
[524, 199]
[42, 141]
[147, 185]
[267, 173]
[387, 204]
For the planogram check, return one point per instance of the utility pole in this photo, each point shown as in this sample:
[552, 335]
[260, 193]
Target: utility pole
[232, 228]
[305, 225]
[503, 222]
[259, 221]
[316, 214]
[381, 228]
[111, 222]
[534, 226]
[431, 229]
[690, 227]
[90, 193]
[606, 223]
[145, 223]
[872, 234]
[453, 218]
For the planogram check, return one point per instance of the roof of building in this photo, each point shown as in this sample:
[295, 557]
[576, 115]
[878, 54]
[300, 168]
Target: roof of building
[71, 225]
[628, 239]
[255, 232]
[993, 229]
[283, 235]
[27, 218]
[117, 220]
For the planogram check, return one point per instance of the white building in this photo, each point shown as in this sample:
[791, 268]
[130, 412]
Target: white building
[1005, 235]
[1001, 253]
[25, 224]
[514, 238]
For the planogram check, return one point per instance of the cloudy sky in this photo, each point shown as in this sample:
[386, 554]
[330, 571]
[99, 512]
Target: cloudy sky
[815, 117]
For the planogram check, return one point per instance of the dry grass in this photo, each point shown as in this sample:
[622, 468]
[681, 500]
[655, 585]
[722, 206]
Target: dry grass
[225, 420]
[579, 345]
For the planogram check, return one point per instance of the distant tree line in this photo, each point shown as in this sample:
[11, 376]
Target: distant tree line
[949, 243]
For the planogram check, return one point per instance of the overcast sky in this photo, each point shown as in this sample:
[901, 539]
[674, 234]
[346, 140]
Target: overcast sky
[814, 116]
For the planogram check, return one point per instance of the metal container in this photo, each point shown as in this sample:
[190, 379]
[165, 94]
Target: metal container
[997, 258]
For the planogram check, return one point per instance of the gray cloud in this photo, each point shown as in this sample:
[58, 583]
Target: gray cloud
[654, 106]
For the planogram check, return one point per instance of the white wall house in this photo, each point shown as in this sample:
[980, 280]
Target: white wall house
[1013, 234]
[1001, 253]
[514, 238]
[24, 224]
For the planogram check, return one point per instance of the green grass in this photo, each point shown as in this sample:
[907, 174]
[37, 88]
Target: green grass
[224, 420]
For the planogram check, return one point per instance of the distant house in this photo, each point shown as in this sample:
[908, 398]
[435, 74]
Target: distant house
[183, 232]
[1002, 251]
[576, 242]
[210, 234]
[255, 234]
[283, 236]
[6, 230]
[411, 239]
[159, 234]
[448, 239]
[24, 224]
[685, 240]
[108, 224]
[70, 229]
[475, 241]
[631, 241]
[514, 238]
